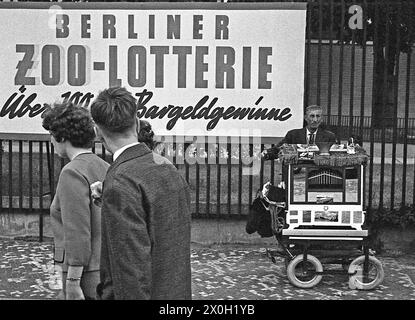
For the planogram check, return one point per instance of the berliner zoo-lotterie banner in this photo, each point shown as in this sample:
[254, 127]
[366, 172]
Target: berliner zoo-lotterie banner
[195, 68]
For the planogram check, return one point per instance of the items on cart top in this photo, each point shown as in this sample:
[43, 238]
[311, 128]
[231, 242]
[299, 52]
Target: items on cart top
[321, 154]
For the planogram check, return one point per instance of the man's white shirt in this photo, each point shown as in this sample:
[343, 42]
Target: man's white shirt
[121, 150]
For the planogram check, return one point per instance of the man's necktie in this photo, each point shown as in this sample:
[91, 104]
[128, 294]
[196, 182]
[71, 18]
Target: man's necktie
[311, 139]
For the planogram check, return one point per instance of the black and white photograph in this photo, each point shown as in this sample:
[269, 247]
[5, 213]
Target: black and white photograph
[208, 157]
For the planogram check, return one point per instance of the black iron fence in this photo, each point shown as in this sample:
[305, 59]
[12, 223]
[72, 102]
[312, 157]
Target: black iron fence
[362, 73]
[223, 175]
[362, 126]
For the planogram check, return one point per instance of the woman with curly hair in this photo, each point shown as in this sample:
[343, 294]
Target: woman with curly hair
[76, 221]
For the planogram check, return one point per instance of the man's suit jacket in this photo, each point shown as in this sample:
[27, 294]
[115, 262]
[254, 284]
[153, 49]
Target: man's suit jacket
[300, 136]
[145, 250]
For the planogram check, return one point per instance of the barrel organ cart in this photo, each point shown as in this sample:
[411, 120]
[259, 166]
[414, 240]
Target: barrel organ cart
[322, 220]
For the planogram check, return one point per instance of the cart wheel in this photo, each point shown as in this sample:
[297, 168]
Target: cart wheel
[303, 275]
[372, 279]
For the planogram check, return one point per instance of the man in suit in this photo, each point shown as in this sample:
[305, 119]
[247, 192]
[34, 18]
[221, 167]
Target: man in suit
[310, 134]
[145, 252]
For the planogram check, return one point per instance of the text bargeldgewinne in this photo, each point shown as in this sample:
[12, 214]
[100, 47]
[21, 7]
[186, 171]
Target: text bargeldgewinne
[206, 108]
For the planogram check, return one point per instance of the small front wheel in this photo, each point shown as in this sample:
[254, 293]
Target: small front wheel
[365, 280]
[304, 274]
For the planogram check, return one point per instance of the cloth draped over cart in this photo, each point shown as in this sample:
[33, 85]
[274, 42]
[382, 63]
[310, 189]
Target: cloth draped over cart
[259, 218]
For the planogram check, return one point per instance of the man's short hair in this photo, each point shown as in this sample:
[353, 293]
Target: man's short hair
[114, 109]
[313, 107]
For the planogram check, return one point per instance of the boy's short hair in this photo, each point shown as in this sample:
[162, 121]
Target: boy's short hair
[114, 109]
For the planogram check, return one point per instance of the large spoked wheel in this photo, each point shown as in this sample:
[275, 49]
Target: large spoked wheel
[365, 280]
[304, 274]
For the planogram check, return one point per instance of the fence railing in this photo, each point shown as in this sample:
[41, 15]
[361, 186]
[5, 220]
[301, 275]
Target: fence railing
[345, 126]
[223, 176]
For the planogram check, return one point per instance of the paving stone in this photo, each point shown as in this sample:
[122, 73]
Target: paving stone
[218, 272]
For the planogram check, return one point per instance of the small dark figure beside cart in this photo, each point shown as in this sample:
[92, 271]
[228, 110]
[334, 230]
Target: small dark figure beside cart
[322, 218]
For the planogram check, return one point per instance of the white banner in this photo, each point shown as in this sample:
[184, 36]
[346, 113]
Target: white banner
[196, 69]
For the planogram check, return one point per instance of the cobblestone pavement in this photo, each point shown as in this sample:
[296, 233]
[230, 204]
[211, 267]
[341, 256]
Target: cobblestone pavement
[230, 272]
